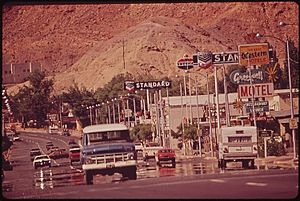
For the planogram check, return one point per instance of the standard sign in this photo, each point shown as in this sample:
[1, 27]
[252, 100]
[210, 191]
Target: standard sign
[257, 90]
[130, 85]
[254, 54]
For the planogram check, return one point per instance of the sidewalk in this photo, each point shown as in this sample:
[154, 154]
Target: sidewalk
[287, 159]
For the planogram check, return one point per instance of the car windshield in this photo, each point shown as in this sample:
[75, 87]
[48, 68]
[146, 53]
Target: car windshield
[166, 151]
[41, 157]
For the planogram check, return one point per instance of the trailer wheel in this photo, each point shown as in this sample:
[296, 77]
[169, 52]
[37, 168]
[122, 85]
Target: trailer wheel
[222, 164]
[252, 164]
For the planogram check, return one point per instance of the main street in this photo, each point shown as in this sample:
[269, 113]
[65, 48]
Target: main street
[187, 180]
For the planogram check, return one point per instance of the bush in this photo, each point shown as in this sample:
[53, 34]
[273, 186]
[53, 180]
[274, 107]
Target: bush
[274, 148]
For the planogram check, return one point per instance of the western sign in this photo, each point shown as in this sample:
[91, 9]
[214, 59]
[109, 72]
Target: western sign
[254, 54]
[257, 90]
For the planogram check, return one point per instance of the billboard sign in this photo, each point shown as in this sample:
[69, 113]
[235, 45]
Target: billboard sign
[258, 90]
[185, 63]
[219, 58]
[238, 77]
[130, 85]
[259, 106]
[254, 54]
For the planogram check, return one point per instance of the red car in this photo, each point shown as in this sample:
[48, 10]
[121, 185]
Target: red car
[166, 156]
[59, 153]
[74, 154]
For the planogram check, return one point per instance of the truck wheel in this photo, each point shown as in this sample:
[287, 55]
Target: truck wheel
[88, 177]
[130, 173]
[173, 163]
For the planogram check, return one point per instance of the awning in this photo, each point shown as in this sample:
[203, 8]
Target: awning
[286, 120]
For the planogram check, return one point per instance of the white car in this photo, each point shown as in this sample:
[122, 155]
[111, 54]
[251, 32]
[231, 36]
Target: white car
[41, 161]
[53, 129]
[138, 146]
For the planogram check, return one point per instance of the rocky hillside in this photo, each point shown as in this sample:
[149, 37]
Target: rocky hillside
[83, 43]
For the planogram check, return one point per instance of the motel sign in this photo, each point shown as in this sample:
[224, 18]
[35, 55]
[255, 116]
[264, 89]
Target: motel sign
[257, 90]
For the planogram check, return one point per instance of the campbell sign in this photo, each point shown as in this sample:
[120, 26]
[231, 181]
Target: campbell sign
[147, 85]
[238, 77]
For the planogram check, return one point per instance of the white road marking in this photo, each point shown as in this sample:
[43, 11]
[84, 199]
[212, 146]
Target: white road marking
[217, 180]
[255, 184]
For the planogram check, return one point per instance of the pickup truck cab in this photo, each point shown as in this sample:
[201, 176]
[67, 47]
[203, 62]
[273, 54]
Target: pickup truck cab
[108, 149]
[166, 156]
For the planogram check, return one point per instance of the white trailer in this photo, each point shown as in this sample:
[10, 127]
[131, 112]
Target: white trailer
[238, 144]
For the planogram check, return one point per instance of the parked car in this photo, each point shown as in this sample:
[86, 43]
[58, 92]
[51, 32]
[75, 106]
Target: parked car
[49, 145]
[16, 137]
[41, 161]
[66, 132]
[34, 152]
[166, 156]
[53, 148]
[138, 146]
[59, 153]
[53, 129]
[6, 164]
[72, 141]
[74, 154]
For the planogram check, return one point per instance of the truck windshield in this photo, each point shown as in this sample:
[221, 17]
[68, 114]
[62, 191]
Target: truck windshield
[98, 137]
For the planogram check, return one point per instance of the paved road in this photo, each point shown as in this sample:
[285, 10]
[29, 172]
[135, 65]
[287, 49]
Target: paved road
[65, 181]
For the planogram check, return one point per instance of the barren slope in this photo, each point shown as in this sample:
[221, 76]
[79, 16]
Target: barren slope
[87, 39]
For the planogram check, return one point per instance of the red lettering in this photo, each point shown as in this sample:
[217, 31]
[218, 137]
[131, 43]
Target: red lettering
[257, 90]
[244, 91]
[268, 90]
[263, 89]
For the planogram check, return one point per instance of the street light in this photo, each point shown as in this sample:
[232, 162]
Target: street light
[289, 77]
[209, 113]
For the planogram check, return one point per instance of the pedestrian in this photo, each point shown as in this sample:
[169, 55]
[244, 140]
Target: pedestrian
[287, 139]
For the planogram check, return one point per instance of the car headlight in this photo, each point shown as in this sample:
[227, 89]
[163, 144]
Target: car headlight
[130, 156]
[89, 161]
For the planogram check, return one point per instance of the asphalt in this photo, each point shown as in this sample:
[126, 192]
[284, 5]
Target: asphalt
[287, 159]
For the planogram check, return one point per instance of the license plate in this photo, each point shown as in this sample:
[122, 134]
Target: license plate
[110, 165]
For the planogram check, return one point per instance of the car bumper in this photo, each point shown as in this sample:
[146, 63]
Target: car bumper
[109, 165]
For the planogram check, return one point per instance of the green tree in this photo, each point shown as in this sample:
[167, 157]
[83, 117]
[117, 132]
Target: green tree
[141, 132]
[34, 101]
[78, 99]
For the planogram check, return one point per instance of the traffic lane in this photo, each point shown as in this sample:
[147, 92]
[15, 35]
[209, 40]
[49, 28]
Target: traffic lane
[43, 138]
[24, 180]
[265, 185]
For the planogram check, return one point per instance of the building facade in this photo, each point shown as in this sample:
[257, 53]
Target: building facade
[18, 73]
